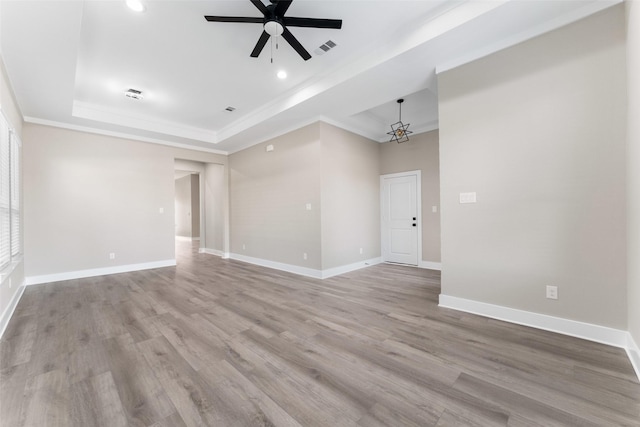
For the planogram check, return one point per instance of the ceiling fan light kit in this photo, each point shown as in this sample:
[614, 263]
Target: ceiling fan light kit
[273, 28]
[275, 24]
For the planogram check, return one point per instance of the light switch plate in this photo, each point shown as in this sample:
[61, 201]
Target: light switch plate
[468, 197]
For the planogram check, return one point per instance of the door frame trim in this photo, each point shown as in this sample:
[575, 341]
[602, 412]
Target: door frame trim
[418, 175]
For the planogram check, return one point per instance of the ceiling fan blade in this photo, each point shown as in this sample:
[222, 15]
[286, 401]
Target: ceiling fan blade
[295, 44]
[313, 22]
[261, 7]
[260, 45]
[281, 7]
[248, 19]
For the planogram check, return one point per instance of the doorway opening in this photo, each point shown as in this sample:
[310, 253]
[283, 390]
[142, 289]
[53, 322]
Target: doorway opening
[201, 208]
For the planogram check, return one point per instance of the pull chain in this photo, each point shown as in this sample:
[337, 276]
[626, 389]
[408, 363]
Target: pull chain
[274, 37]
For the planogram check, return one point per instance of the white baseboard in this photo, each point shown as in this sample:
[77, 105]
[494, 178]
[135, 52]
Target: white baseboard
[336, 271]
[633, 351]
[305, 271]
[215, 252]
[587, 331]
[430, 265]
[187, 239]
[81, 274]
[8, 311]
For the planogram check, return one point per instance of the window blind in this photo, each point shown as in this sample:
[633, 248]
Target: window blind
[5, 202]
[15, 156]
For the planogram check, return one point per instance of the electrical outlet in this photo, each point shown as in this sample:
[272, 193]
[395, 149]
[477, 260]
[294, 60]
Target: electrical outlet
[360, 251]
[112, 255]
[244, 247]
[552, 292]
[304, 255]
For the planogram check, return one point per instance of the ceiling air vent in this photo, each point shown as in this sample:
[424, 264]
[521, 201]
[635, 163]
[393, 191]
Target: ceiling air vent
[326, 47]
[134, 93]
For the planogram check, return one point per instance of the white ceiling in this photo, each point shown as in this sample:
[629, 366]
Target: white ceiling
[70, 62]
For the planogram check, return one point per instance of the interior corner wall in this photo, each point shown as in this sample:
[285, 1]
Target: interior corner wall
[88, 195]
[269, 194]
[421, 153]
[538, 132]
[633, 171]
[350, 197]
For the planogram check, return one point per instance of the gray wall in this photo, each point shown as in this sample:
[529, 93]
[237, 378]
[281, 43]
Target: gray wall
[269, 193]
[195, 205]
[421, 152]
[350, 197]
[183, 206]
[633, 168]
[538, 131]
[11, 111]
[334, 171]
[87, 195]
[216, 214]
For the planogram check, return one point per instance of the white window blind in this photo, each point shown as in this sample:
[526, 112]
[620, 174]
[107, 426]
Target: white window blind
[15, 155]
[5, 200]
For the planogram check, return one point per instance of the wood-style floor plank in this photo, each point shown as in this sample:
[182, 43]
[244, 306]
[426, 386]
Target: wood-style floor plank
[217, 342]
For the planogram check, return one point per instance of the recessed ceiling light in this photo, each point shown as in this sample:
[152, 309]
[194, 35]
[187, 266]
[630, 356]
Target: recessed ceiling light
[135, 5]
[282, 74]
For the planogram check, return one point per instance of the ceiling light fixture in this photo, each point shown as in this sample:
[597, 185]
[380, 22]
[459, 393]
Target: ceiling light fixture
[134, 93]
[399, 131]
[135, 5]
[282, 74]
[273, 28]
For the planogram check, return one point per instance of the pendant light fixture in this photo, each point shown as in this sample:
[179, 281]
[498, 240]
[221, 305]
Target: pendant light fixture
[399, 131]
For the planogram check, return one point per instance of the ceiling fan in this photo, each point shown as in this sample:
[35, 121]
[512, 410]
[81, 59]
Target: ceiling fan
[275, 24]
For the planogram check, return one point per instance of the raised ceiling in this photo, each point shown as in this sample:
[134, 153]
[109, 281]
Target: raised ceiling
[70, 63]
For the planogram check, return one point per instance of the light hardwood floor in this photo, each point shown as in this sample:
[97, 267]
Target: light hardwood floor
[220, 343]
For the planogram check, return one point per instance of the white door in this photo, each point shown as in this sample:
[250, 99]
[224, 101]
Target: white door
[400, 209]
